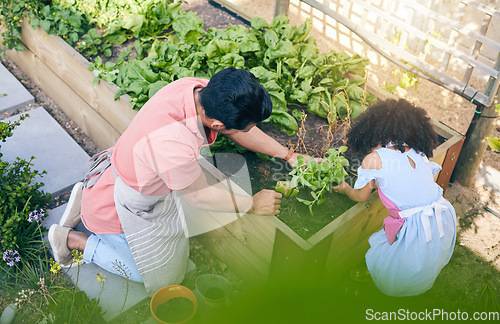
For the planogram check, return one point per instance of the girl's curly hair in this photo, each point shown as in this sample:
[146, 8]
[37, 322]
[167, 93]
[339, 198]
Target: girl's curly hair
[389, 120]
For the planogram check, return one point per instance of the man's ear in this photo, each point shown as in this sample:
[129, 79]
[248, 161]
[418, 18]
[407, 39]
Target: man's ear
[217, 125]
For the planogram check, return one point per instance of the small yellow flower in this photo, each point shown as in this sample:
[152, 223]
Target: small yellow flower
[16, 18]
[77, 256]
[101, 277]
[54, 267]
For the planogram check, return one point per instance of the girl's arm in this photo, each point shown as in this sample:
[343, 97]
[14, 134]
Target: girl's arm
[371, 161]
[361, 194]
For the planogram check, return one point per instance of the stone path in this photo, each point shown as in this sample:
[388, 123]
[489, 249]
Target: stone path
[54, 150]
[13, 95]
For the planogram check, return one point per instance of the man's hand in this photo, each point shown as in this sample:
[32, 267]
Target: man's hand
[266, 202]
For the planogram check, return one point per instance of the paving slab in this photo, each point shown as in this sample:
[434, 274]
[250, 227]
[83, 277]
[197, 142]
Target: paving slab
[489, 177]
[116, 295]
[13, 94]
[55, 151]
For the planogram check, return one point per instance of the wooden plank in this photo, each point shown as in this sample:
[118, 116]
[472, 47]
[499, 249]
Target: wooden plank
[72, 68]
[454, 24]
[258, 233]
[452, 137]
[226, 247]
[349, 242]
[353, 212]
[291, 261]
[449, 164]
[96, 127]
[232, 7]
[281, 7]
[388, 50]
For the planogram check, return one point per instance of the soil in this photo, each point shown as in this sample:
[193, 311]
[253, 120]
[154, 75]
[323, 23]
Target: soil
[215, 293]
[175, 310]
[477, 253]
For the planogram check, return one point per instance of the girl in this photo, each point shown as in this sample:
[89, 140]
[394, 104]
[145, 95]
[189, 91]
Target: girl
[418, 237]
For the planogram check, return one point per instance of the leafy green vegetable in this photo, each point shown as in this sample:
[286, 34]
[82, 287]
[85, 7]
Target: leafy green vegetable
[283, 57]
[285, 189]
[318, 177]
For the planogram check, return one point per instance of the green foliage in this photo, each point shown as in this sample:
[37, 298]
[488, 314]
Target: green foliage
[488, 298]
[282, 57]
[170, 44]
[45, 295]
[53, 17]
[494, 142]
[223, 145]
[69, 306]
[61, 20]
[319, 176]
[11, 15]
[404, 80]
[20, 196]
[284, 187]
[92, 44]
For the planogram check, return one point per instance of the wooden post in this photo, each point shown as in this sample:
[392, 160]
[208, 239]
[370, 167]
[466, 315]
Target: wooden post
[475, 145]
[281, 7]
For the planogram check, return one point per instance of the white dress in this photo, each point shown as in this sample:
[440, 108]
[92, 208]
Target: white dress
[424, 243]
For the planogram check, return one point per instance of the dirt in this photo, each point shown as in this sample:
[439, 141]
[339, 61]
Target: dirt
[478, 241]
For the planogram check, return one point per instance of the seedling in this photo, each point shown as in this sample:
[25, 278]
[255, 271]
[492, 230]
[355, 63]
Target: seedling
[319, 176]
[285, 189]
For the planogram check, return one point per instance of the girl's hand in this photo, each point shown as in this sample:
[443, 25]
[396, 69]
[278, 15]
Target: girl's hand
[342, 188]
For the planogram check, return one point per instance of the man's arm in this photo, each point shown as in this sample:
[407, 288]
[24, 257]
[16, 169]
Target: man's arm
[217, 198]
[257, 141]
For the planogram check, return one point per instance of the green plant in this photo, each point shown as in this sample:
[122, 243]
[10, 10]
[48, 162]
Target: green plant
[52, 16]
[21, 203]
[12, 14]
[53, 299]
[60, 19]
[488, 297]
[404, 80]
[319, 176]
[92, 44]
[282, 56]
[124, 272]
[494, 142]
[284, 187]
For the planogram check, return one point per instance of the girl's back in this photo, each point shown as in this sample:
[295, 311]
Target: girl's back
[407, 184]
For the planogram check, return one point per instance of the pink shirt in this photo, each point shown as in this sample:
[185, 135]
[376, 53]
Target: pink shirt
[157, 153]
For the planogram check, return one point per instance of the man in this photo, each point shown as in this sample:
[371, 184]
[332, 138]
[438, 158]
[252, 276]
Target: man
[129, 199]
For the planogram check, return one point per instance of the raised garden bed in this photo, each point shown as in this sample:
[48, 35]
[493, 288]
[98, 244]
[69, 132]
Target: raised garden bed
[254, 247]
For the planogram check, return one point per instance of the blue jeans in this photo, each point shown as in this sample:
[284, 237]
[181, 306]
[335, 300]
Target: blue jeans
[112, 253]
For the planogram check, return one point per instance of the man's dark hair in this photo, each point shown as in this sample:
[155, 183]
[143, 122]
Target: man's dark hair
[397, 121]
[235, 98]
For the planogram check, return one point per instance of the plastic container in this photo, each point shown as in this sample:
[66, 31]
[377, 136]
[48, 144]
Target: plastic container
[213, 289]
[167, 293]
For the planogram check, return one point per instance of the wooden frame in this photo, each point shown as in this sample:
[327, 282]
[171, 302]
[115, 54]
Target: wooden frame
[62, 73]
[254, 247]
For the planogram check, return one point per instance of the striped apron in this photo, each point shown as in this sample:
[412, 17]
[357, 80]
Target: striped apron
[154, 227]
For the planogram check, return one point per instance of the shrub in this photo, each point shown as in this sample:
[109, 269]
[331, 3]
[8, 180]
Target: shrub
[21, 208]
